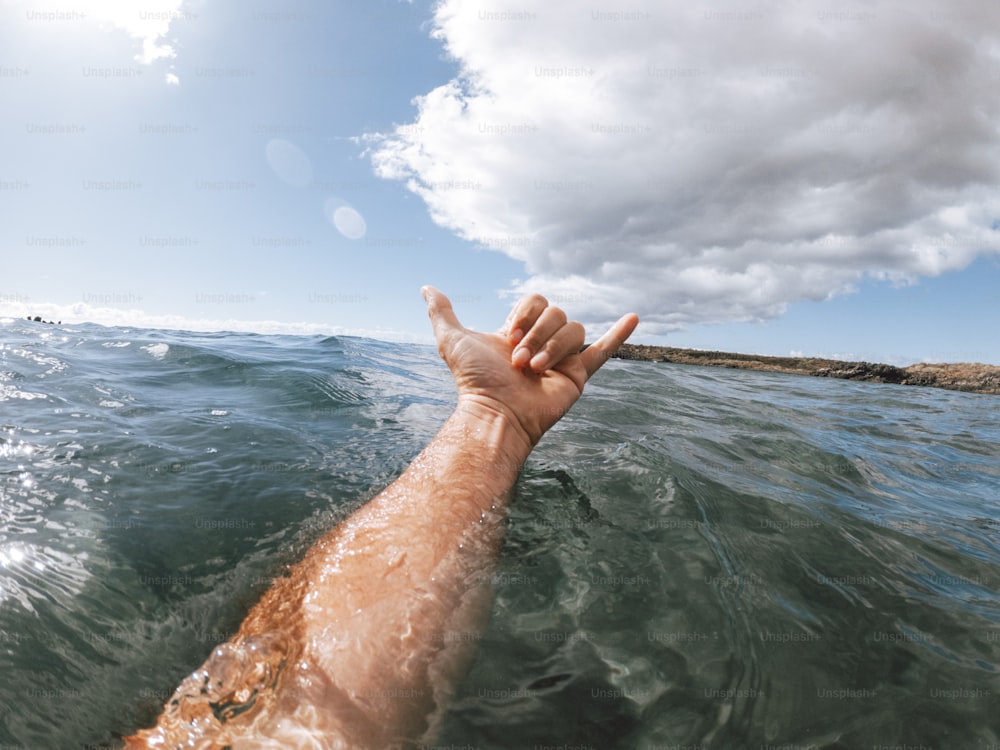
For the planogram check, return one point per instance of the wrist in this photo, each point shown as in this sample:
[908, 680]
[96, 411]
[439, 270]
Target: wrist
[495, 426]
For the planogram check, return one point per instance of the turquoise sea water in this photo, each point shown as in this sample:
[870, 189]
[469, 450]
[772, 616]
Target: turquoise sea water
[696, 558]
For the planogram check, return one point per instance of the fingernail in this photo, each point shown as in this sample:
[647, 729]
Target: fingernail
[516, 335]
[521, 357]
[540, 361]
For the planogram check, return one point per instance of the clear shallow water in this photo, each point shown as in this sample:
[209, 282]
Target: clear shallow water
[696, 557]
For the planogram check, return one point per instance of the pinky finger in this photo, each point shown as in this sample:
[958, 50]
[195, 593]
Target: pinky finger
[601, 350]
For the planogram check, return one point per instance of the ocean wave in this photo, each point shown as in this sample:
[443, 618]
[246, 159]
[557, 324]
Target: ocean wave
[694, 556]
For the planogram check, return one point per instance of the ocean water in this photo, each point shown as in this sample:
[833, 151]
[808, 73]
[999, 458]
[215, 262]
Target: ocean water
[696, 558]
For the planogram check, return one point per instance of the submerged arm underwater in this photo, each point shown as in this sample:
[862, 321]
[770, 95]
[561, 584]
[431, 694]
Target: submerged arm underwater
[361, 645]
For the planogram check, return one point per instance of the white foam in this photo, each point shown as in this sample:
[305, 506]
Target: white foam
[159, 351]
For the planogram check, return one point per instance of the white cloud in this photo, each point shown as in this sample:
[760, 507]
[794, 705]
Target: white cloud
[704, 163]
[148, 22]
[82, 312]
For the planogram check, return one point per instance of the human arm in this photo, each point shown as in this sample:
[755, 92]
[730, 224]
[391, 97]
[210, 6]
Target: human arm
[367, 636]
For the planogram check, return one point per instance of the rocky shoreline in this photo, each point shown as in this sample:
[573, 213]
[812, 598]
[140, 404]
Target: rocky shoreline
[969, 377]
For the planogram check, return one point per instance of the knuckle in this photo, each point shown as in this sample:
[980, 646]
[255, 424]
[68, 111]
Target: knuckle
[537, 300]
[551, 346]
[553, 317]
[532, 341]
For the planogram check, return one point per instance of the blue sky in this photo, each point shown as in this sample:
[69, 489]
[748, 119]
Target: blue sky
[306, 166]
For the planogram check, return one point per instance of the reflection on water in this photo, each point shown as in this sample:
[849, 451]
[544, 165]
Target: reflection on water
[695, 557]
[42, 549]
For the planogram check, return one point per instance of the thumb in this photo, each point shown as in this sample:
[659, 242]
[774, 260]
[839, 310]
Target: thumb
[442, 315]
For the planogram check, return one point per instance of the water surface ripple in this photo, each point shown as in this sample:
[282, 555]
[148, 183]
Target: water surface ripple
[696, 557]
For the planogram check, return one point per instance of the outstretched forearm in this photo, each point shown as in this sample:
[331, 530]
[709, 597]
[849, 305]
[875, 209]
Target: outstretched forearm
[362, 643]
[407, 576]
[382, 611]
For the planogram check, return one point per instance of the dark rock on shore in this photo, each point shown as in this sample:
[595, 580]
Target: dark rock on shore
[971, 377]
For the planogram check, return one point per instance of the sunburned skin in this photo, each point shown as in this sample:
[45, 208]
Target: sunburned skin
[363, 643]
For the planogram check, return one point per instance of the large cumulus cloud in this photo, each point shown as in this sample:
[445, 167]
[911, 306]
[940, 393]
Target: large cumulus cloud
[711, 162]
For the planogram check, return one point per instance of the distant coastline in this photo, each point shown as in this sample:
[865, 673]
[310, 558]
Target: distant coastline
[969, 377]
